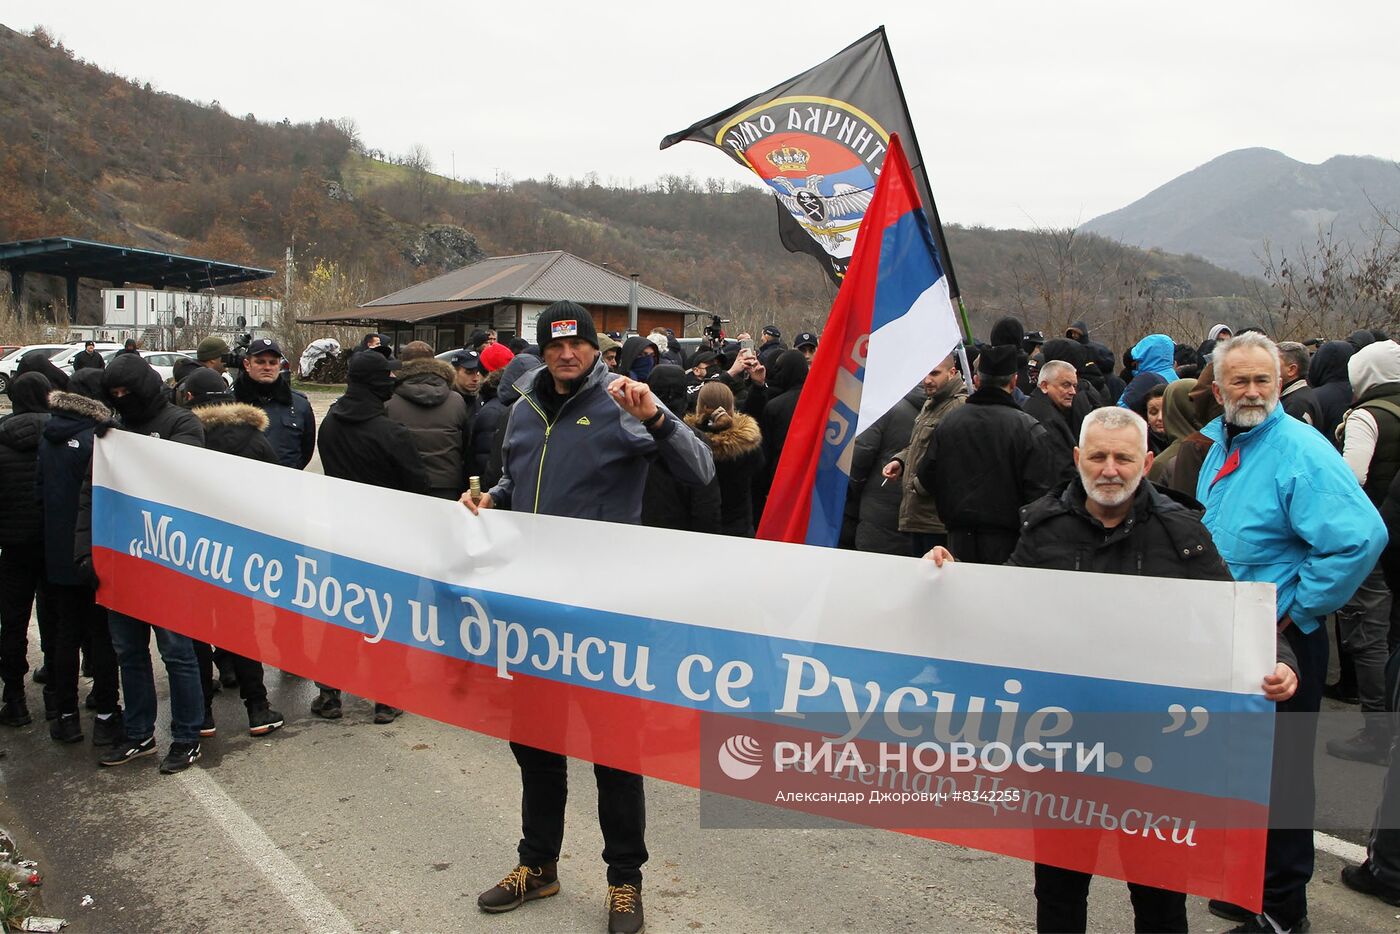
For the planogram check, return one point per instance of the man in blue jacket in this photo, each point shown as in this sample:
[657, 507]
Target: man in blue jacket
[578, 444]
[1284, 508]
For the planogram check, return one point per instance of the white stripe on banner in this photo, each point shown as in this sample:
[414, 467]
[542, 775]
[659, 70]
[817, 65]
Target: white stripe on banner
[1212, 636]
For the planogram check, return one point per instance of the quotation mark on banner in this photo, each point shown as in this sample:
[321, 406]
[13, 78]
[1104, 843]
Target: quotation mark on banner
[740, 757]
[1200, 719]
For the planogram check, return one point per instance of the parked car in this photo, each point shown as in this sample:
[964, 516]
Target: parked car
[11, 361]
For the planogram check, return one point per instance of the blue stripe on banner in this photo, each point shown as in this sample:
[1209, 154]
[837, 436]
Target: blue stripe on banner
[680, 664]
[908, 267]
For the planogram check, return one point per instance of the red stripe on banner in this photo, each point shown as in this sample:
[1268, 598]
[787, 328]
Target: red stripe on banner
[655, 739]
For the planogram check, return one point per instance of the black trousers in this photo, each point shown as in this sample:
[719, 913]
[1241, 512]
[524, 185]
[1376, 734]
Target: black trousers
[1288, 854]
[249, 672]
[1062, 904]
[81, 624]
[22, 584]
[622, 813]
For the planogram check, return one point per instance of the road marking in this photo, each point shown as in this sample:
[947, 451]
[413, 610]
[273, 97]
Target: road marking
[1343, 849]
[257, 847]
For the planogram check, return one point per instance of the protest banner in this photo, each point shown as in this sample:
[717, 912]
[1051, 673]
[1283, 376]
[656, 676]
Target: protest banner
[983, 704]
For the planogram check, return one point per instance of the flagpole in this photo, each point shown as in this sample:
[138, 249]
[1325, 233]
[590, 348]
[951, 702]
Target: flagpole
[930, 207]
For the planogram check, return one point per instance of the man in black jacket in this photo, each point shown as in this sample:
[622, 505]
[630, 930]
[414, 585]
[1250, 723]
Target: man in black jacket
[1297, 397]
[1108, 521]
[21, 542]
[65, 466]
[985, 461]
[88, 358]
[437, 418]
[1052, 404]
[360, 442]
[145, 408]
[291, 425]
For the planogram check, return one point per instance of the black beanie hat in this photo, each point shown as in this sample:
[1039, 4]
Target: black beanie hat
[565, 319]
[1008, 330]
[998, 360]
[206, 387]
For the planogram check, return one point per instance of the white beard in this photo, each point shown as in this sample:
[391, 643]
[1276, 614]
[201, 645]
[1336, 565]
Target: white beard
[1243, 415]
[1110, 495]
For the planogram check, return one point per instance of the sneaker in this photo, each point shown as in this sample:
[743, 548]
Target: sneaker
[123, 752]
[1339, 692]
[523, 884]
[208, 728]
[66, 728]
[1361, 746]
[41, 674]
[15, 713]
[327, 704]
[625, 910]
[1229, 910]
[263, 720]
[1362, 879]
[180, 757]
[383, 713]
[108, 732]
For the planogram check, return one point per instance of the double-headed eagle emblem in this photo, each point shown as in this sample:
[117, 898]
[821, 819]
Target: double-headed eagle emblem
[823, 213]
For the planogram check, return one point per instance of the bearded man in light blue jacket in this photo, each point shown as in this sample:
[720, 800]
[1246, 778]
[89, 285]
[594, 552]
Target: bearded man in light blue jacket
[1284, 508]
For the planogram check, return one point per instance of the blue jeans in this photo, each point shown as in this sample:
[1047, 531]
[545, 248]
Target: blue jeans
[132, 640]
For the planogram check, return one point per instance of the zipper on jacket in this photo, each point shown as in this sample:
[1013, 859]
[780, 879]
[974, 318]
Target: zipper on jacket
[544, 449]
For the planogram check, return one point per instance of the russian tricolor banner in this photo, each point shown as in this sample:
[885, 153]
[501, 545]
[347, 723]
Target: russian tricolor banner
[892, 322]
[845, 684]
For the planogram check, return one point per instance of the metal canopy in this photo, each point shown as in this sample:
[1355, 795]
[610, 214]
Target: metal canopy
[410, 313]
[87, 259]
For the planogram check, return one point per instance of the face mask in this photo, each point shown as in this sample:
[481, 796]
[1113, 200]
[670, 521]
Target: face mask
[642, 366]
[129, 406]
[383, 387]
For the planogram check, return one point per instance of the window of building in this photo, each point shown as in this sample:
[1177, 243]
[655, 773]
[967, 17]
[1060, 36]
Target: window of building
[121, 301]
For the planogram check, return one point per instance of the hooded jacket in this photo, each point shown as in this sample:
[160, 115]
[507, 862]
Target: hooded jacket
[1155, 353]
[877, 504]
[1179, 418]
[1327, 375]
[668, 503]
[632, 349]
[65, 466]
[583, 456]
[146, 408]
[21, 519]
[1290, 514]
[786, 377]
[1371, 429]
[489, 426]
[36, 362]
[736, 445]
[917, 510]
[436, 416]
[360, 442]
[291, 424]
[237, 429]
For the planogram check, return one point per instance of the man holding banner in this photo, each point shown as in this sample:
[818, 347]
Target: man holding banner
[598, 430]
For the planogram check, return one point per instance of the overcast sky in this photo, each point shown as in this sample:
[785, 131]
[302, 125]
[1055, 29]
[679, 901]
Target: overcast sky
[1030, 113]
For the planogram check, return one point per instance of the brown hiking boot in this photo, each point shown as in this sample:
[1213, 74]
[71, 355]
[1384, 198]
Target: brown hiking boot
[625, 910]
[522, 884]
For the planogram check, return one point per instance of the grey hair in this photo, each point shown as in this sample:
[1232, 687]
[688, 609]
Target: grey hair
[1296, 354]
[1113, 418]
[1244, 342]
[1052, 370]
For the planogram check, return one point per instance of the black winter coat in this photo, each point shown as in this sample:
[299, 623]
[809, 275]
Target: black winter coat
[1327, 375]
[291, 424]
[21, 518]
[785, 380]
[739, 458]
[88, 360]
[876, 504]
[667, 503]
[360, 443]
[65, 467]
[237, 429]
[436, 417]
[147, 409]
[1061, 439]
[1300, 400]
[985, 461]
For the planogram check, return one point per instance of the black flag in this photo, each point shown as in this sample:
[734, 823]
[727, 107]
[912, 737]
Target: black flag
[818, 141]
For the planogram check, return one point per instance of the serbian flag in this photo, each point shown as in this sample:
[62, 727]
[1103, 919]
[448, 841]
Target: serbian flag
[892, 322]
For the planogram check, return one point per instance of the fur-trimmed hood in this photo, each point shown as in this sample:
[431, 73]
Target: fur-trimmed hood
[237, 413]
[426, 382]
[740, 438]
[71, 403]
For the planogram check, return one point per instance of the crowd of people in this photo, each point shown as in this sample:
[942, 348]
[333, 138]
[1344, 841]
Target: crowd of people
[1235, 459]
